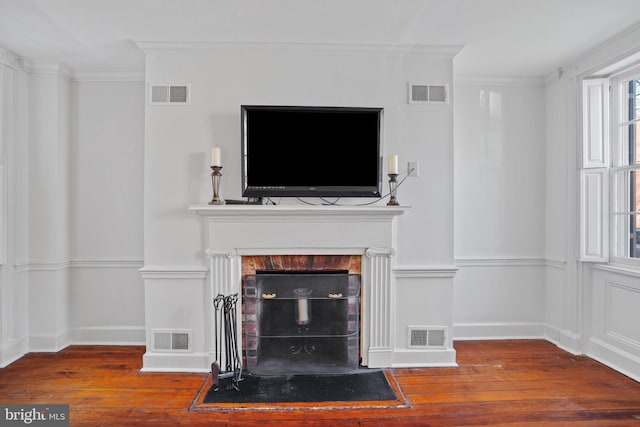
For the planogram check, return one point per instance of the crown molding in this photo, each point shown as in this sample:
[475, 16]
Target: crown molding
[80, 75]
[35, 67]
[155, 47]
[554, 76]
[611, 51]
[509, 81]
[7, 58]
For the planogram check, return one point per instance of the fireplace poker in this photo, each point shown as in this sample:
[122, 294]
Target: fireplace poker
[218, 301]
[237, 361]
[234, 333]
[227, 334]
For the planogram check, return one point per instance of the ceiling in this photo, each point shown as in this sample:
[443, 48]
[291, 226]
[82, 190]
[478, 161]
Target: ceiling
[515, 38]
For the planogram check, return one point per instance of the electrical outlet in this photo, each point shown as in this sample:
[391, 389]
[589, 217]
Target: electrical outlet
[414, 169]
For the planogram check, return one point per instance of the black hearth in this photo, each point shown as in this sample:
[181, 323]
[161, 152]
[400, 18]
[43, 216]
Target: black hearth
[301, 322]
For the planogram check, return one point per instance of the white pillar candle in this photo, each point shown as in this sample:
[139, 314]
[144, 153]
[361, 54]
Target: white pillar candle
[393, 164]
[216, 157]
[303, 311]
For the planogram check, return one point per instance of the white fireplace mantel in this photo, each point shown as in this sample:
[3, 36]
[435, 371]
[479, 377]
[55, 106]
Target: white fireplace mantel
[231, 231]
[258, 210]
[301, 229]
[264, 212]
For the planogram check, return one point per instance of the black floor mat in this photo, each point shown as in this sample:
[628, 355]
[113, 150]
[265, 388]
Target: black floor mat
[365, 385]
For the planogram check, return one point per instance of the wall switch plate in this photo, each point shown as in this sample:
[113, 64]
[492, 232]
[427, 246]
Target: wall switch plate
[414, 169]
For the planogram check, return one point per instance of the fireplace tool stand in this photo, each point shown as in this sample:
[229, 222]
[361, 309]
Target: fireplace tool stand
[226, 340]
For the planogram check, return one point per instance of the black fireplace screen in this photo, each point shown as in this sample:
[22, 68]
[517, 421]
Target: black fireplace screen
[301, 322]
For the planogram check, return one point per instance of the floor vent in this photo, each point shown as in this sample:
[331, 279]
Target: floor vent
[428, 94]
[169, 94]
[171, 340]
[427, 337]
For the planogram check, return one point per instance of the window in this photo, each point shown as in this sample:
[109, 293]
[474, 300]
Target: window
[610, 172]
[625, 170]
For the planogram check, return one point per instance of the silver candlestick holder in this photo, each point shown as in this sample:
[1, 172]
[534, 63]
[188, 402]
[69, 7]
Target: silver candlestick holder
[393, 189]
[215, 183]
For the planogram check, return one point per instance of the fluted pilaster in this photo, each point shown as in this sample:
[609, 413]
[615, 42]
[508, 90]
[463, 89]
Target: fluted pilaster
[377, 315]
[223, 279]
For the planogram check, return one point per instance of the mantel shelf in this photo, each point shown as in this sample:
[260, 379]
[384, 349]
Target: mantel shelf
[297, 210]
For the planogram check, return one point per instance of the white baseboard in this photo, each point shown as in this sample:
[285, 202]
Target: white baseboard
[104, 335]
[424, 358]
[496, 331]
[620, 360]
[379, 357]
[49, 343]
[176, 362]
[13, 351]
[76, 336]
[564, 339]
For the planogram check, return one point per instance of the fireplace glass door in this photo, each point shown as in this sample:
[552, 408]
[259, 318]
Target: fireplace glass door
[305, 322]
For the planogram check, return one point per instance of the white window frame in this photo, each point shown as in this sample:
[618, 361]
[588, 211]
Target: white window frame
[620, 167]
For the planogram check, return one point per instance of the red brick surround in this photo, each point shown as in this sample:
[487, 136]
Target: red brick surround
[352, 263]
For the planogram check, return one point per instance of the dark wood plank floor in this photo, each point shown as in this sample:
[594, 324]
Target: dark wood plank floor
[498, 383]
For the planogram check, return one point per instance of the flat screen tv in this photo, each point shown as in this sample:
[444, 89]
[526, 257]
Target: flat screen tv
[311, 151]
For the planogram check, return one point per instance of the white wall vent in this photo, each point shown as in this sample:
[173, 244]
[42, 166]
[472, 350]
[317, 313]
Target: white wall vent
[427, 336]
[428, 93]
[169, 94]
[171, 340]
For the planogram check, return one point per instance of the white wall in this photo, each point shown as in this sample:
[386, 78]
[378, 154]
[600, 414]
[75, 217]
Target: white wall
[13, 208]
[72, 164]
[107, 170]
[562, 300]
[178, 138]
[499, 195]
[222, 77]
[21, 207]
[49, 140]
[85, 211]
[107, 294]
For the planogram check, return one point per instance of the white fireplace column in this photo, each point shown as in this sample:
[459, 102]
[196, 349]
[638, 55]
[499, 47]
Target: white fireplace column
[377, 317]
[224, 279]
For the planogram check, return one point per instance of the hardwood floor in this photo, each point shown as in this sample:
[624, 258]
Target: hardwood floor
[498, 383]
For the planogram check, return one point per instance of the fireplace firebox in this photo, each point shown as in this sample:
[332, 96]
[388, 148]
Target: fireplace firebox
[301, 321]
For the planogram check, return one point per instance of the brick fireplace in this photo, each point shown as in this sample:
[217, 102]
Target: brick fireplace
[287, 333]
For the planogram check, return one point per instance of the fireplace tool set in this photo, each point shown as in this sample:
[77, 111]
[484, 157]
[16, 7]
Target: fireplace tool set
[226, 341]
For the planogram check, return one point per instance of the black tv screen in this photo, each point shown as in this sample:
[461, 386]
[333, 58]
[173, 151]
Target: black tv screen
[311, 151]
